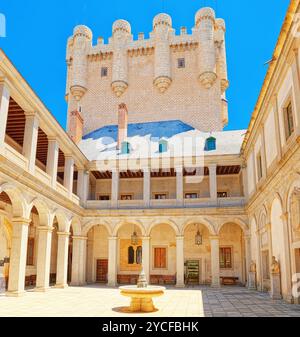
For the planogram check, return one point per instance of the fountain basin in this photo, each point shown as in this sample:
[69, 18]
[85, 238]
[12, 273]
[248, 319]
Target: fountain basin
[141, 298]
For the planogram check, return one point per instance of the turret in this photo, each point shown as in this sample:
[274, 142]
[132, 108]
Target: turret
[220, 29]
[121, 37]
[162, 26]
[82, 41]
[205, 22]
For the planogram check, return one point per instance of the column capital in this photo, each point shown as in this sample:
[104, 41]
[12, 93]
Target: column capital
[45, 229]
[178, 169]
[146, 169]
[212, 166]
[67, 234]
[78, 237]
[214, 237]
[21, 221]
[52, 138]
[179, 237]
[112, 238]
[31, 114]
[146, 238]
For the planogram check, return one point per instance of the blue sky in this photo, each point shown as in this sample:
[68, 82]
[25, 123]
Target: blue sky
[37, 33]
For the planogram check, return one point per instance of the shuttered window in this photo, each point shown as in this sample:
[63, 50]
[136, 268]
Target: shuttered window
[30, 252]
[225, 258]
[160, 258]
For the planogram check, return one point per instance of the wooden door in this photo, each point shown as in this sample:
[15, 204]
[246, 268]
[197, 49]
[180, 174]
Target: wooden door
[101, 271]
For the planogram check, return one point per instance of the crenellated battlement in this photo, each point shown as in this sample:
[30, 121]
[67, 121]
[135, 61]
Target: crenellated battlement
[204, 46]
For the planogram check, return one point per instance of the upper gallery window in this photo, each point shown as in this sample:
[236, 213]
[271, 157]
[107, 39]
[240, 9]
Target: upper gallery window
[160, 196]
[181, 63]
[289, 120]
[126, 197]
[222, 195]
[191, 195]
[104, 71]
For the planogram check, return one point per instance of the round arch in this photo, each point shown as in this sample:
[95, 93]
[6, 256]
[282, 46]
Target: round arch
[63, 222]
[75, 223]
[244, 227]
[97, 222]
[16, 198]
[129, 222]
[43, 212]
[199, 220]
[163, 222]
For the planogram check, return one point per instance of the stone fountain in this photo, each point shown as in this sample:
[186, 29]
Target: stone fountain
[141, 295]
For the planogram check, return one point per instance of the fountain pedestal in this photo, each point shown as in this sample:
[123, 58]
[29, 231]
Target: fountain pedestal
[141, 295]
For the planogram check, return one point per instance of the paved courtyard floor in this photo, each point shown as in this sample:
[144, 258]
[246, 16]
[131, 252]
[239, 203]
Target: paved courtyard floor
[97, 301]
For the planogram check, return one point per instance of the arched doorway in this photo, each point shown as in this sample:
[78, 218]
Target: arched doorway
[232, 255]
[163, 254]
[197, 257]
[129, 253]
[97, 255]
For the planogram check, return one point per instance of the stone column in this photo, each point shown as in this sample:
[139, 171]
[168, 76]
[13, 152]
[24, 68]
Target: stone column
[83, 185]
[180, 262]
[147, 186]
[247, 257]
[179, 185]
[52, 160]
[30, 140]
[215, 261]
[69, 174]
[245, 181]
[78, 261]
[4, 105]
[112, 261]
[115, 188]
[213, 182]
[146, 257]
[62, 259]
[18, 257]
[43, 258]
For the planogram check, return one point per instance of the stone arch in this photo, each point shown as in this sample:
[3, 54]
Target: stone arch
[244, 227]
[199, 220]
[291, 205]
[96, 222]
[43, 212]
[161, 222]
[263, 217]
[17, 199]
[129, 222]
[64, 222]
[75, 223]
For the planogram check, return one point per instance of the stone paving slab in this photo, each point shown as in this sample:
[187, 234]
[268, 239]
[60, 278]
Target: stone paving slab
[100, 301]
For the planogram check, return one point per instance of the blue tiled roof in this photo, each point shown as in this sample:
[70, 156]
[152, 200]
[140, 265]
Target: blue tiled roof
[162, 129]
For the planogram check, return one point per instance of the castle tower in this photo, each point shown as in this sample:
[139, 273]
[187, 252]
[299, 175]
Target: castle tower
[205, 25]
[168, 76]
[121, 37]
[162, 25]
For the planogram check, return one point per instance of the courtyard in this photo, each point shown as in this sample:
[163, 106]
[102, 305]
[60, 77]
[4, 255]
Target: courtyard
[98, 301]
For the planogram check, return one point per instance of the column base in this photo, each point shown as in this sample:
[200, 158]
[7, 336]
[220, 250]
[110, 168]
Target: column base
[180, 285]
[215, 286]
[61, 286]
[15, 293]
[42, 289]
[111, 284]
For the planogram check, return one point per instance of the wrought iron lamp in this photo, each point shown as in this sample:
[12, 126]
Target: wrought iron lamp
[198, 238]
[134, 238]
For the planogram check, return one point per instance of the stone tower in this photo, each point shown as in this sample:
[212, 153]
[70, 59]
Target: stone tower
[168, 76]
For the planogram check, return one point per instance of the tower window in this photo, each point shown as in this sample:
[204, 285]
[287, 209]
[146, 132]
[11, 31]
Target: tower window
[104, 72]
[181, 63]
[210, 144]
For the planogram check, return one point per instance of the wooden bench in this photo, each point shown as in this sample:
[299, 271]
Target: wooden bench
[229, 280]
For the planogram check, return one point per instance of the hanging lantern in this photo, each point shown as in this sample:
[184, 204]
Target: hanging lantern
[134, 238]
[198, 238]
